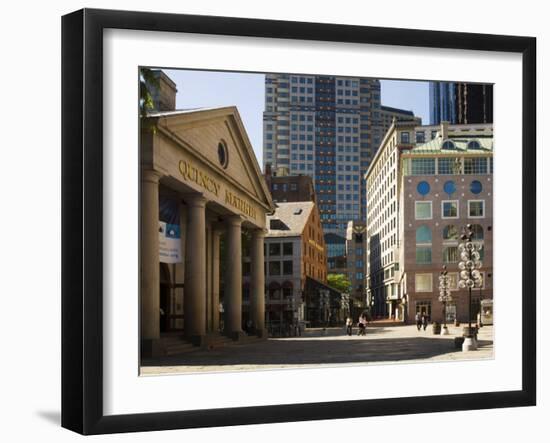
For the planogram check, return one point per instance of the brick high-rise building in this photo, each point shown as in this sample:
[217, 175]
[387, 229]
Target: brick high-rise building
[420, 197]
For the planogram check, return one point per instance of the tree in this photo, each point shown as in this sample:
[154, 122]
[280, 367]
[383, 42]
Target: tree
[147, 80]
[339, 282]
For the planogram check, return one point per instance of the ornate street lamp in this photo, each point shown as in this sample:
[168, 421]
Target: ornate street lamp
[444, 297]
[345, 303]
[324, 301]
[470, 277]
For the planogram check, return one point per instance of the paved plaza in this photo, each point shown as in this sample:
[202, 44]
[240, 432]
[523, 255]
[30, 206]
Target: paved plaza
[330, 347]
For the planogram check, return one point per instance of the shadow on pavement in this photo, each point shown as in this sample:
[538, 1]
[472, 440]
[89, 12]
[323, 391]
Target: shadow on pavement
[307, 352]
[339, 332]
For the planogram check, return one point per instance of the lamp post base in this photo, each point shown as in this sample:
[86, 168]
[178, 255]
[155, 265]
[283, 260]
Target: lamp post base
[470, 344]
[444, 330]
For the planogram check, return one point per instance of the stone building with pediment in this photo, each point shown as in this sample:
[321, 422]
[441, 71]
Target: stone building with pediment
[200, 182]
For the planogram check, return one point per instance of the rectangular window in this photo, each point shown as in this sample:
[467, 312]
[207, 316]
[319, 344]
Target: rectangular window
[423, 255]
[453, 280]
[449, 209]
[476, 208]
[423, 210]
[420, 137]
[287, 267]
[274, 249]
[476, 165]
[449, 166]
[405, 137]
[423, 166]
[450, 254]
[274, 268]
[287, 248]
[451, 312]
[423, 282]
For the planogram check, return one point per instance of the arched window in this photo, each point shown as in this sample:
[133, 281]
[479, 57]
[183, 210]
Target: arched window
[274, 289]
[474, 144]
[423, 245]
[450, 232]
[448, 144]
[477, 232]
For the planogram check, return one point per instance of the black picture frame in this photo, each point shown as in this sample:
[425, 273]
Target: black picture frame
[82, 190]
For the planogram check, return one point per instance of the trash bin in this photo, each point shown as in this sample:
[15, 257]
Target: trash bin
[436, 328]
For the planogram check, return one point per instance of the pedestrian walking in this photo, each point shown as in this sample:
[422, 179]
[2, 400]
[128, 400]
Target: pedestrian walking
[418, 320]
[349, 326]
[362, 324]
[425, 321]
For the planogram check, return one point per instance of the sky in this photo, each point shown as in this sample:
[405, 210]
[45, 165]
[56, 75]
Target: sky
[204, 89]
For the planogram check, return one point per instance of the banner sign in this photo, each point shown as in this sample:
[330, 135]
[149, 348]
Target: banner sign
[169, 231]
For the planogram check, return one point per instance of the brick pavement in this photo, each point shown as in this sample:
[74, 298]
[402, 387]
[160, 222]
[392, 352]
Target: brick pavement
[330, 347]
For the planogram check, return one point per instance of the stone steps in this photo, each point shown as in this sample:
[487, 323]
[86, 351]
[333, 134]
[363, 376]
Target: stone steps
[249, 339]
[217, 341]
[175, 345]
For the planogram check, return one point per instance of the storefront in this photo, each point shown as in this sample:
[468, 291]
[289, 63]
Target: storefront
[200, 181]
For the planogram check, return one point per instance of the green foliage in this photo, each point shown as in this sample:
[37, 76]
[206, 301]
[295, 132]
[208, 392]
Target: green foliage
[340, 282]
[147, 79]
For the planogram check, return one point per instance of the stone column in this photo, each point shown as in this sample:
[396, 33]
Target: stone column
[234, 286]
[216, 234]
[194, 300]
[208, 313]
[149, 260]
[257, 282]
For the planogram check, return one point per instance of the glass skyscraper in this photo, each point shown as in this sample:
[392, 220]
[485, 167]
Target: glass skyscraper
[442, 102]
[327, 127]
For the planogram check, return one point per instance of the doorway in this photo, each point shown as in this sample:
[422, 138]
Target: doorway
[171, 302]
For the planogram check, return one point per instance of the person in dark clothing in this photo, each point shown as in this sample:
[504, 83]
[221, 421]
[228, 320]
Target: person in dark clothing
[425, 321]
[418, 319]
[349, 326]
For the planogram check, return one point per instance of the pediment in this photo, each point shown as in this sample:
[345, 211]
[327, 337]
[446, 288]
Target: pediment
[201, 132]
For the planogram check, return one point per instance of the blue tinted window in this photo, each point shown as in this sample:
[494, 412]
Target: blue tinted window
[449, 187]
[423, 234]
[476, 187]
[423, 188]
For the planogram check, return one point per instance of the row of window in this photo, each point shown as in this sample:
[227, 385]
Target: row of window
[302, 80]
[348, 197]
[301, 117]
[449, 209]
[449, 187]
[284, 186]
[424, 282]
[302, 90]
[449, 166]
[449, 233]
[450, 254]
[275, 267]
